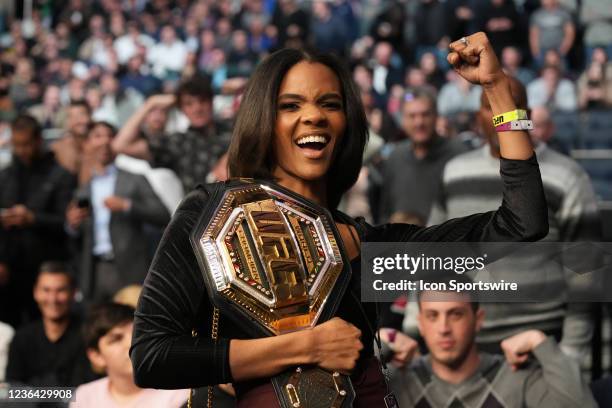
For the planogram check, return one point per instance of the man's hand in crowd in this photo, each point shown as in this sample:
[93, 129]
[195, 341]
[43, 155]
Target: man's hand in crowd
[162, 101]
[404, 347]
[75, 216]
[18, 216]
[517, 348]
[117, 204]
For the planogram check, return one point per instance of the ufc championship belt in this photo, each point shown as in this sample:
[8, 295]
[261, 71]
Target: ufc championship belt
[274, 263]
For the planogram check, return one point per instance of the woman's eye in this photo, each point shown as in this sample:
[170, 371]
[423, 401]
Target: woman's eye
[288, 106]
[333, 105]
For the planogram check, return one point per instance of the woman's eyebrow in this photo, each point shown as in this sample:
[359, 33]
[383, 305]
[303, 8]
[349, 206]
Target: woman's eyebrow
[291, 96]
[329, 95]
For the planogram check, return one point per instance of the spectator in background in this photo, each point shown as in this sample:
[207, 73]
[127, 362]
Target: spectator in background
[552, 91]
[108, 335]
[138, 77]
[329, 32]
[118, 104]
[207, 44]
[596, 16]
[193, 154]
[191, 35]
[50, 113]
[384, 73]
[34, 195]
[69, 149]
[127, 45]
[499, 19]
[76, 14]
[458, 96]
[471, 183]
[50, 351]
[550, 28]
[168, 56]
[389, 25]
[24, 75]
[292, 23]
[262, 38]
[456, 373]
[543, 131]
[431, 30]
[66, 43]
[434, 76]
[241, 60]
[459, 18]
[92, 50]
[110, 226]
[223, 34]
[164, 182]
[595, 88]
[512, 60]
[415, 162]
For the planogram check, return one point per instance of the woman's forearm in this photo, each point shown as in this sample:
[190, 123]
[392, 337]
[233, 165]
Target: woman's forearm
[269, 356]
[513, 144]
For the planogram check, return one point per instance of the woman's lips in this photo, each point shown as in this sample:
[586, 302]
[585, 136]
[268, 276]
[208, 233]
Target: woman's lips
[312, 153]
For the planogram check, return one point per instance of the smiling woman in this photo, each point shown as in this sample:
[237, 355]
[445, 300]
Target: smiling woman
[292, 96]
[301, 124]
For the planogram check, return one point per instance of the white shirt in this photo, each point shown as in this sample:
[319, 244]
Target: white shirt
[102, 187]
[164, 57]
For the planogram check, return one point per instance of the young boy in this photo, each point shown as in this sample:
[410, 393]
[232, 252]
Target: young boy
[108, 335]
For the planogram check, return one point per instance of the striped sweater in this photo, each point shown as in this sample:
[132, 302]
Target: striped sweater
[471, 183]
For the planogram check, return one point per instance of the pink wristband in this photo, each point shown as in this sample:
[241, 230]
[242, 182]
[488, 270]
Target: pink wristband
[514, 125]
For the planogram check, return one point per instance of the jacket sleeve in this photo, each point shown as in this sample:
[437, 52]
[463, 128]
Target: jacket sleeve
[558, 383]
[164, 354]
[64, 184]
[146, 205]
[522, 216]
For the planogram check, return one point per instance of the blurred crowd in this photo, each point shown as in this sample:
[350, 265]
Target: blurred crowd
[112, 110]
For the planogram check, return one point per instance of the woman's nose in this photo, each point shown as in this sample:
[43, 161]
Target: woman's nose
[313, 115]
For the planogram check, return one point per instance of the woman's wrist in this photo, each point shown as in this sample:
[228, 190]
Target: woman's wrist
[495, 81]
[499, 96]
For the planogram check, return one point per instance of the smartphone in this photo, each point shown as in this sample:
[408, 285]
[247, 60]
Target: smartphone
[83, 202]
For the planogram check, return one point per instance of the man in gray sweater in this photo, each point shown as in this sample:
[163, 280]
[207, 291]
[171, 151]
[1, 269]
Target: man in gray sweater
[533, 372]
[471, 183]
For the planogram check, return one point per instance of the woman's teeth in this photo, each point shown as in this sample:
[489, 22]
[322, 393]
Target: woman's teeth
[311, 139]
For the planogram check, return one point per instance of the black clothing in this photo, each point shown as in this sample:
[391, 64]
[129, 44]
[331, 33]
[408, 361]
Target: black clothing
[44, 188]
[192, 155]
[174, 299]
[430, 23]
[499, 38]
[34, 360]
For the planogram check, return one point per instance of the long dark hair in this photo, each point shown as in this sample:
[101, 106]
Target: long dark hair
[250, 152]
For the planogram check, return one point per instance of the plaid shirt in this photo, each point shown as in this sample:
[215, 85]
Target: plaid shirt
[192, 155]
